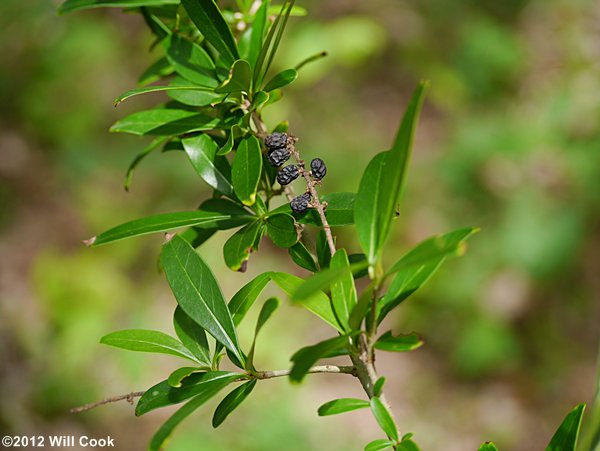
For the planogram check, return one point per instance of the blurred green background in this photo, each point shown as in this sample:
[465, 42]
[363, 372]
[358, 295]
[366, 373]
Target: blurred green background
[509, 141]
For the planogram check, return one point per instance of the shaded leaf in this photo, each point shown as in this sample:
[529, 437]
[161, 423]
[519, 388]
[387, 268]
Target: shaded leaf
[565, 437]
[302, 257]
[323, 250]
[159, 69]
[379, 444]
[74, 5]
[266, 311]
[341, 406]
[244, 299]
[142, 340]
[282, 230]
[282, 79]
[339, 211]
[164, 121]
[378, 386]
[343, 291]
[257, 33]
[232, 401]
[488, 446]
[193, 97]
[399, 343]
[308, 356]
[198, 293]
[238, 247]
[239, 79]
[176, 377]
[190, 61]
[246, 170]
[208, 18]
[156, 142]
[384, 418]
[192, 336]
[202, 152]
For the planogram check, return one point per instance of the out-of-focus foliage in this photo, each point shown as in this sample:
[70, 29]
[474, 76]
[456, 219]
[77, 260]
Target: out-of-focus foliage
[509, 141]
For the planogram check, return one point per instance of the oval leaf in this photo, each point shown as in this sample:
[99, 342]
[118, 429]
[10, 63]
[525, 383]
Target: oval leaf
[202, 152]
[282, 230]
[239, 79]
[244, 299]
[231, 402]
[343, 291]
[302, 257]
[399, 343]
[246, 170]
[190, 61]
[565, 437]
[342, 405]
[192, 336]
[142, 340]
[379, 444]
[282, 79]
[238, 247]
[384, 418]
[164, 122]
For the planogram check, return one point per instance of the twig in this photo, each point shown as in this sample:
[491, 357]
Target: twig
[315, 369]
[128, 397]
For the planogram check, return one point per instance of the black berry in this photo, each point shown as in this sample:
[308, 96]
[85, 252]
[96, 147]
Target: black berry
[288, 174]
[278, 156]
[318, 168]
[300, 204]
[276, 140]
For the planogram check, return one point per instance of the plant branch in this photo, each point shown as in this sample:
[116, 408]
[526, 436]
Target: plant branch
[128, 397]
[315, 369]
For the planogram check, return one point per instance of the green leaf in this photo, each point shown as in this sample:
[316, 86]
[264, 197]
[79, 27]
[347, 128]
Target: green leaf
[142, 340]
[171, 221]
[302, 257]
[239, 79]
[192, 336]
[381, 184]
[193, 97]
[232, 401]
[246, 170]
[156, 88]
[198, 293]
[164, 121]
[238, 247]
[282, 79]
[208, 391]
[208, 18]
[74, 5]
[280, 25]
[400, 343]
[343, 291]
[234, 132]
[282, 230]
[434, 248]
[202, 152]
[306, 357]
[323, 280]
[378, 386]
[565, 438]
[341, 406]
[318, 303]
[258, 32]
[384, 418]
[379, 444]
[362, 307]
[407, 444]
[176, 377]
[323, 250]
[162, 394]
[266, 311]
[156, 25]
[339, 211]
[488, 446]
[190, 61]
[244, 299]
[156, 142]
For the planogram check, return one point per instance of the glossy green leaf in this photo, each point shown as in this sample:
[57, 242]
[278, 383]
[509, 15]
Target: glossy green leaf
[282, 79]
[323, 250]
[190, 61]
[156, 142]
[302, 257]
[343, 405]
[156, 88]
[565, 437]
[164, 121]
[266, 311]
[378, 386]
[381, 184]
[246, 170]
[318, 303]
[232, 402]
[192, 336]
[208, 391]
[259, 100]
[258, 32]
[308, 356]
[343, 291]
[208, 18]
[74, 5]
[282, 230]
[202, 152]
[234, 132]
[198, 293]
[339, 211]
[239, 79]
[244, 299]
[238, 247]
[193, 97]
[171, 221]
[158, 70]
[379, 444]
[176, 377]
[362, 307]
[156, 25]
[384, 418]
[142, 340]
[324, 279]
[407, 444]
[488, 446]
[399, 343]
[434, 248]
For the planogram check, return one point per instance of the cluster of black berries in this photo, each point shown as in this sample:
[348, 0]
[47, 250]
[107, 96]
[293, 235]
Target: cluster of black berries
[278, 153]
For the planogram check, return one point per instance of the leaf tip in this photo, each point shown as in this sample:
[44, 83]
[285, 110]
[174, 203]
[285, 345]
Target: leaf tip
[90, 242]
[169, 237]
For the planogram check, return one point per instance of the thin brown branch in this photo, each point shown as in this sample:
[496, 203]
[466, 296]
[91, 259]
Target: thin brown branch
[129, 397]
[315, 369]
